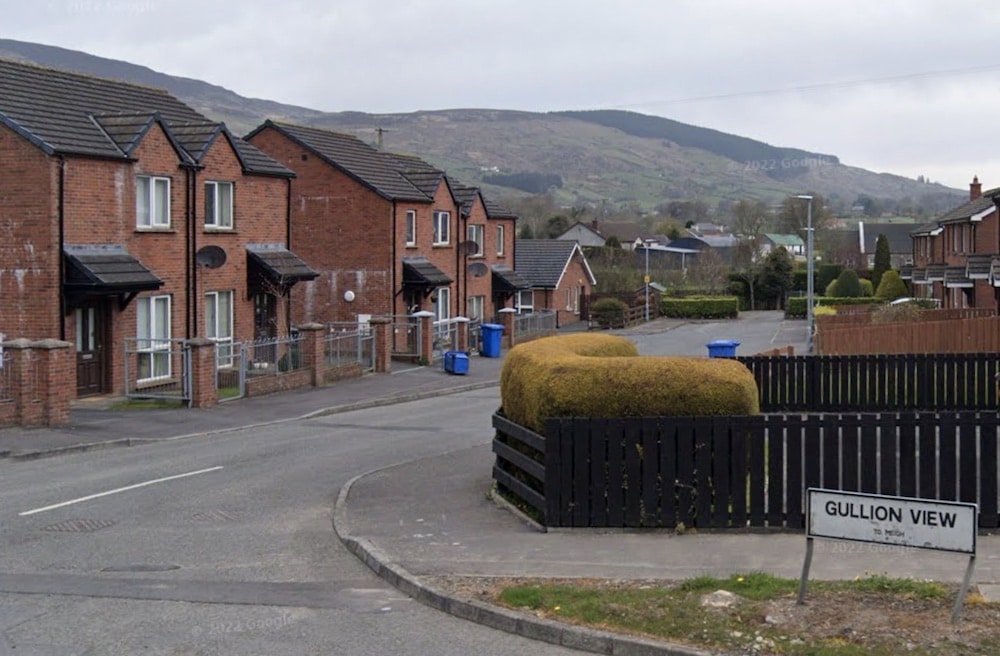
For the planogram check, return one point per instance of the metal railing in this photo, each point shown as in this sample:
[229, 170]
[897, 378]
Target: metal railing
[542, 321]
[157, 369]
[7, 376]
[405, 337]
[349, 343]
[273, 356]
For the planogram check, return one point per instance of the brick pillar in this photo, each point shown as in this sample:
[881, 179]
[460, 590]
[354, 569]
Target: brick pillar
[313, 348]
[203, 388]
[55, 378]
[462, 334]
[382, 327]
[28, 409]
[507, 321]
[425, 348]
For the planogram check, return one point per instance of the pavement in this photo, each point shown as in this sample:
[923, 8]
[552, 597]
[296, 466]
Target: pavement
[417, 522]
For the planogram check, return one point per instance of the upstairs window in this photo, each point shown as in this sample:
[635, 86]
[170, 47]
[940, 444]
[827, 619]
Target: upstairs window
[499, 240]
[219, 205]
[152, 202]
[442, 228]
[411, 228]
[475, 234]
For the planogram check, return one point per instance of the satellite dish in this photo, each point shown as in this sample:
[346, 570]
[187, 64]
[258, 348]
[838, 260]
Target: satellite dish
[478, 269]
[468, 248]
[211, 257]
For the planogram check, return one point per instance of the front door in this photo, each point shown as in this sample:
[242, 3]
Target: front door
[91, 365]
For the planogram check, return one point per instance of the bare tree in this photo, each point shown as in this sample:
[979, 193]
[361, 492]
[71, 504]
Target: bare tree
[749, 220]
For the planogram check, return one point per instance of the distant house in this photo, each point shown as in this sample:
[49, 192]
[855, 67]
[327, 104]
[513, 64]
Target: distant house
[898, 235]
[629, 235]
[791, 243]
[722, 245]
[558, 274]
[585, 234]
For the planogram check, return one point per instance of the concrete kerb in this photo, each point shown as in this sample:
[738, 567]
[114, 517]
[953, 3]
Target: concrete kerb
[337, 409]
[495, 617]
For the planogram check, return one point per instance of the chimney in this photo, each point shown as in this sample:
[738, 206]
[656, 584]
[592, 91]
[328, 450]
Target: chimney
[975, 189]
[593, 224]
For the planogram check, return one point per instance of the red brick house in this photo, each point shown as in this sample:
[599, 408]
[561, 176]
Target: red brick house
[389, 234]
[559, 277]
[955, 257]
[127, 215]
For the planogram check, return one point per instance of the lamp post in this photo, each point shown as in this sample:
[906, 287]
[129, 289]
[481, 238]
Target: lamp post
[645, 246]
[809, 272]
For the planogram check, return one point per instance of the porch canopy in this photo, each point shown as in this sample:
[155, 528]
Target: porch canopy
[101, 270]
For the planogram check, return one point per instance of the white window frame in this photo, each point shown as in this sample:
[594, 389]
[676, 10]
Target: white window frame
[569, 299]
[500, 244]
[148, 212]
[153, 348]
[477, 306]
[213, 191]
[476, 232]
[219, 326]
[442, 310]
[442, 228]
[521, 306]
[410, 235]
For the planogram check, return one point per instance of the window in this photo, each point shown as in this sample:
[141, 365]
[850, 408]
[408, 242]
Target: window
[442, 227]
[152, 202]
[219, 205]
[499, 240]
[442, 310]
[153, 337]
[411, 227]
[219, 325]
[525, 301]
[569, 298]
[476, 305]
[476, 233]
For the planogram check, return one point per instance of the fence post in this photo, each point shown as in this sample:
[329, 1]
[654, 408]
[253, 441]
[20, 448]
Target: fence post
[26, 409]
[314, 351]
[55, 380]
[203, 384]
[425, 345]
[382, 327]
[507, 321]
[462, 334]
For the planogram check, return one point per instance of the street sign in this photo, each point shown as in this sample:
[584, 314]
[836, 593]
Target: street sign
[903, 521]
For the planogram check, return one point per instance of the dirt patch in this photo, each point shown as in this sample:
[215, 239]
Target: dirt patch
[831, 623]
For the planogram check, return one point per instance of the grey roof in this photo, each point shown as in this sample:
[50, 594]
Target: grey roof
[495, 211]
[954, 276]
[507, 280]
[970, 208]
[372, 168]
[278, 264]
[69, 113]
[106, 268]
[542, 262]
[899, 236]
[420, 272]
[979, 266]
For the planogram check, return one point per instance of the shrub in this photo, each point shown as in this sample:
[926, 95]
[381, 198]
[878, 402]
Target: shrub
[847, 284]
[701, 307]
[866, 287]
[891, 287]
[609, 312]
[597, 375]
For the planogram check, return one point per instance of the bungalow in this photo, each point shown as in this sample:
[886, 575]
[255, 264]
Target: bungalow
[558, 274]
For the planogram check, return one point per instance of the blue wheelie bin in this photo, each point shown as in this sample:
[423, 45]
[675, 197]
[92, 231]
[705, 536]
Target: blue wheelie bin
[722, 348]
[492, 332]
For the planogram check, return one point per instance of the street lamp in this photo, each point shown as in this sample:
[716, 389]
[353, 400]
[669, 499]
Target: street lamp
[645, 246]
[809, 273]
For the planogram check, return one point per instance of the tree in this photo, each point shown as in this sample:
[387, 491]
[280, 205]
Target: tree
[793, 219]
[848, 285]
[525, 232]
[891, 287]
[555, 226]
[883, 260]
[775, 277]
[749, 219]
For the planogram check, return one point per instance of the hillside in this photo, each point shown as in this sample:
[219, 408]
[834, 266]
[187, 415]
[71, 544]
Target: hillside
[580, 157]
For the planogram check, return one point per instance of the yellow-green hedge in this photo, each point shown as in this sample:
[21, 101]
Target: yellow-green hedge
[598, 375]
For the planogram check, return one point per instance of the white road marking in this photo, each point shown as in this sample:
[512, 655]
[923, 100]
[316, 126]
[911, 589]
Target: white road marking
[116, 491]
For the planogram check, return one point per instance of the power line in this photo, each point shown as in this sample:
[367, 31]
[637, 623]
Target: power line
[819, 86]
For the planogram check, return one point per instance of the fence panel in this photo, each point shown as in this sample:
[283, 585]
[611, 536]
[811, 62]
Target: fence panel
[405, 337]
[231, 370]
[349, 343]
[8, 377]
[535, 323]
[273, 356]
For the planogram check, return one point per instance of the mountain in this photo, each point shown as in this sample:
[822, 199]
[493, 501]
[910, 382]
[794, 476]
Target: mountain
[581, 157]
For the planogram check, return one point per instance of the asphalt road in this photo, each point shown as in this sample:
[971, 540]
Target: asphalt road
[224, 545]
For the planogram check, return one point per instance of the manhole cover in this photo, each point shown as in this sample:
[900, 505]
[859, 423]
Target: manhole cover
[79, 525]
[213, 516]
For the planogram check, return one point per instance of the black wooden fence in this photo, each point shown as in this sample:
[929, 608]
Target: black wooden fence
[876, 383]
[734, 472]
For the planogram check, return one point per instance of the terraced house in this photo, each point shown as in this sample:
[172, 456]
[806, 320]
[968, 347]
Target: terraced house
[956, 257]
[389, 234]
[129, 221]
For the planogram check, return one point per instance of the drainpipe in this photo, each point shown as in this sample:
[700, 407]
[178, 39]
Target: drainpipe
[191, 284]
[288, 245]
[392, 263]
[61, 212]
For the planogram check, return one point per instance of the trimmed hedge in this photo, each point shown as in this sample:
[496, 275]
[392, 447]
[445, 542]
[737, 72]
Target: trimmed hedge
[609, 312]
[797, 305]
[598, 375]
[701, 307]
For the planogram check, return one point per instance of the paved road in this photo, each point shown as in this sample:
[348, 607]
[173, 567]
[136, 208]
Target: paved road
[224, 545]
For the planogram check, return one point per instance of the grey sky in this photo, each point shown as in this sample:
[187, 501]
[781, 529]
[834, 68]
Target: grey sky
[866, 81]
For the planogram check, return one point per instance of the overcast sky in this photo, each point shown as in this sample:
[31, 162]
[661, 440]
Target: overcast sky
[908, 87]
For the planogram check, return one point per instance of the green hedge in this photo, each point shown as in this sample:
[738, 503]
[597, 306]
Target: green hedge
[797, 305]
[701, 307]
[601, 375]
